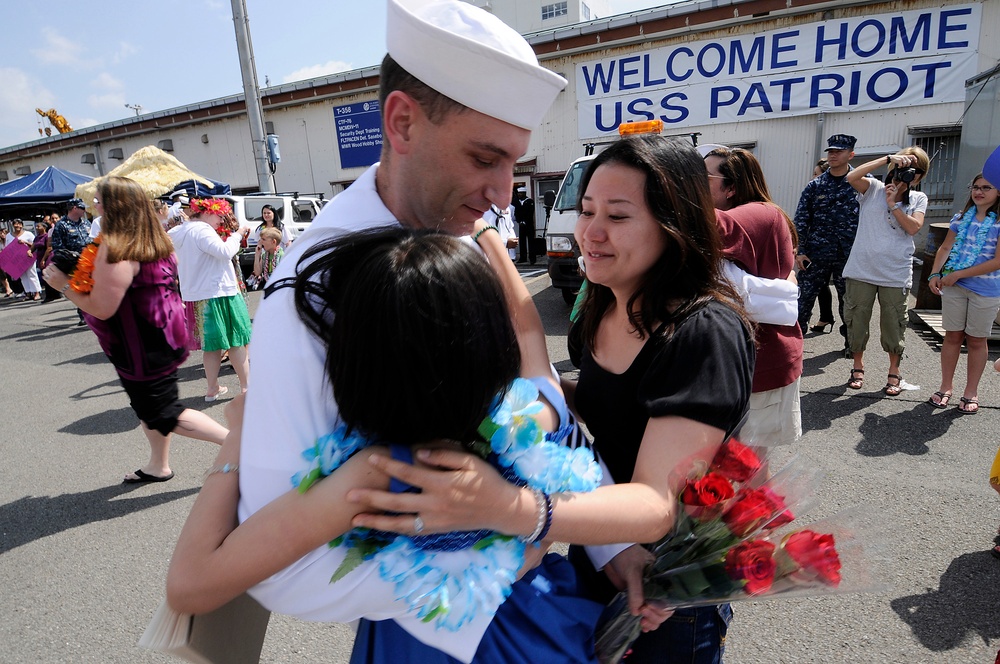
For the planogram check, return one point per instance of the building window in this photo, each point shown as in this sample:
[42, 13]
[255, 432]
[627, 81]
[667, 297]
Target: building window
[585, 11]
[555, 9]
[942, 148]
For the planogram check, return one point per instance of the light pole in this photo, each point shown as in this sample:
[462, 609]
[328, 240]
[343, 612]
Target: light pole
[265, 181]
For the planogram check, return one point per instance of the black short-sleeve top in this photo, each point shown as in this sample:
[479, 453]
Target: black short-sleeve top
[703, 371]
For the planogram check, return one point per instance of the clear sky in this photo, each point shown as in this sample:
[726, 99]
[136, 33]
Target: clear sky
[89, 59]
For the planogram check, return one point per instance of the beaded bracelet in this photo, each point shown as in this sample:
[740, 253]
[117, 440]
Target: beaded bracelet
[548, 517]
[543, 521]
[222, 469]
[475, 238]
[934, 274]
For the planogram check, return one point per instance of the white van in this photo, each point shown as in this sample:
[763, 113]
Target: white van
[561, 248]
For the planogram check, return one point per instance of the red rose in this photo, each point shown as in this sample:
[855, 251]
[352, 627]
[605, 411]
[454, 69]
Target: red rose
[709, 491]
[752, 562]
[751, 509]
[816, 553]
[736, 461]
[784, 516]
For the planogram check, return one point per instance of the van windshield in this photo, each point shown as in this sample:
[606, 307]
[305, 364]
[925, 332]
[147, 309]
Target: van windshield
[569, 191]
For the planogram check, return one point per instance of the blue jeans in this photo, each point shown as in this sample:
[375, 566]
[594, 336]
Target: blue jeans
[691, 636]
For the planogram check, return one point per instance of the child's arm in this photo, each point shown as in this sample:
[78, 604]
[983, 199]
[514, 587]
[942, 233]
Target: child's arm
[257, 254]
[216, 558]
[527, 322]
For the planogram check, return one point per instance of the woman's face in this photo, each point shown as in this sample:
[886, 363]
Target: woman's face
[983, 193]
[618, 236]
[17, 227]
[721, 193]
[268, 216]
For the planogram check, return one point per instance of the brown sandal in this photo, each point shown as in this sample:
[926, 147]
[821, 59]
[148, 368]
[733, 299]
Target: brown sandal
[893, 390]
[857, 382]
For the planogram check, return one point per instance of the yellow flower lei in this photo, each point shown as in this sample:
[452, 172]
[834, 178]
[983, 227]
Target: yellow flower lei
[82, 279]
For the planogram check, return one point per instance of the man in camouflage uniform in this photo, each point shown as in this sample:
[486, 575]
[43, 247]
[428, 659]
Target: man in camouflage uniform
[827, 221]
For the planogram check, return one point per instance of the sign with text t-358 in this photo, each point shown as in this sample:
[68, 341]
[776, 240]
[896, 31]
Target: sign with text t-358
[359, 133]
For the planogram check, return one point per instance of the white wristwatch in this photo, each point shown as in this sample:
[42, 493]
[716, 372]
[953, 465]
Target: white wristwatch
[897, 206]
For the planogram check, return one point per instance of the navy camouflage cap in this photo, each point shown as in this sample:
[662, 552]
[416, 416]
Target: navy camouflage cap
[840, 142]
[77, 203]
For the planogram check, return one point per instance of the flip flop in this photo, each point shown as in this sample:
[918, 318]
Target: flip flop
[996, 551]
[215, 397]
[144, 478]
[942, 401]
[968, 406]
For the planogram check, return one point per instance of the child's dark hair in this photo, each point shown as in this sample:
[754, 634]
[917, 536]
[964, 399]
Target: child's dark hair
[420, 341]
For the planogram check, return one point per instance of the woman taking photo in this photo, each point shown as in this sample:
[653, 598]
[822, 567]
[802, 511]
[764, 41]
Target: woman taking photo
[881, 261]
[967, 277]
[126, 285]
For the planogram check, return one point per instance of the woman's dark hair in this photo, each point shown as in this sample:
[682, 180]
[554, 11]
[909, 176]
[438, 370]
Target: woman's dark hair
[687, 274]
[741, 171]
[419, 341]
[277, 217]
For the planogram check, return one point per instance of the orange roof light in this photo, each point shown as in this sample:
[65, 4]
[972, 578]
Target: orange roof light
[645, 127]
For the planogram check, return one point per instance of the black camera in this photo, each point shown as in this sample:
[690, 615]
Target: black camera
[906, 175]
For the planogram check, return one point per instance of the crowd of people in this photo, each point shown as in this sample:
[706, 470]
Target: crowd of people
[674, 357]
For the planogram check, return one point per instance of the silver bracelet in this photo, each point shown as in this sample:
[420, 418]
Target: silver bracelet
[541, 503]
[222, 469]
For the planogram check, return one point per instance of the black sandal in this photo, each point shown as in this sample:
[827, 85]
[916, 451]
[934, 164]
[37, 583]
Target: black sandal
[942, 402]
[857, 382]
[893, 390]
[968, 406]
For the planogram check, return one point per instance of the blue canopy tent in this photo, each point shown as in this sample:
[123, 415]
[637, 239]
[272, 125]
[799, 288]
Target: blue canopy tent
[197, 189]
[51, 186]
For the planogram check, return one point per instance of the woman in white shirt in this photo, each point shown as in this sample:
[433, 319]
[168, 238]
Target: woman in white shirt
[208, 284]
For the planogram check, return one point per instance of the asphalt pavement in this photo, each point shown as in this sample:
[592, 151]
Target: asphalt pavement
[83, 558]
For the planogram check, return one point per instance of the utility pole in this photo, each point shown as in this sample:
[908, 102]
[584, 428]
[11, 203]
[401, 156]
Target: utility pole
[255, 113]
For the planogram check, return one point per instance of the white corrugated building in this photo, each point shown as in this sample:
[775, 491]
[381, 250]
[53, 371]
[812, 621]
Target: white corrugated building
[775, 76]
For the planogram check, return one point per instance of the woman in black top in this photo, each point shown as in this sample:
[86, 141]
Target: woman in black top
[667, 352]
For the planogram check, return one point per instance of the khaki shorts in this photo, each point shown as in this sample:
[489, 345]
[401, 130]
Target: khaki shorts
[774, 418]
[965, 311]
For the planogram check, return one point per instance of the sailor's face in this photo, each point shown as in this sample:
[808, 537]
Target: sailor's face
[462, 166]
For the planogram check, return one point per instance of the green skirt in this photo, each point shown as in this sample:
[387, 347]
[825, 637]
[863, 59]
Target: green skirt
[222, 323]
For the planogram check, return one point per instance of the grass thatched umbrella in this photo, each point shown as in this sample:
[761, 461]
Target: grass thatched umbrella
[156, 171]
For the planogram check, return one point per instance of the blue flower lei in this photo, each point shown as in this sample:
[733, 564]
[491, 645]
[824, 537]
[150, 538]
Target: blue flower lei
[953, 264]
[453, 597]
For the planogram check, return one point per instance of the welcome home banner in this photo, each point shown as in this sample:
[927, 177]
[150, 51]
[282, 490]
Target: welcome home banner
[852, 64]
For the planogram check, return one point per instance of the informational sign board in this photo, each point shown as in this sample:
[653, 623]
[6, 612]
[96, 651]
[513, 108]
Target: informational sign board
[359, 133]
[909, 58]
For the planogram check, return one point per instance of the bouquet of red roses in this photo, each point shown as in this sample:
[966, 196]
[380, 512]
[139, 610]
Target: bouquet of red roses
[725, 544]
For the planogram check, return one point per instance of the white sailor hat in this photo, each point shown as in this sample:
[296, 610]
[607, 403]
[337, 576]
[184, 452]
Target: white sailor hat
[471, 57]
